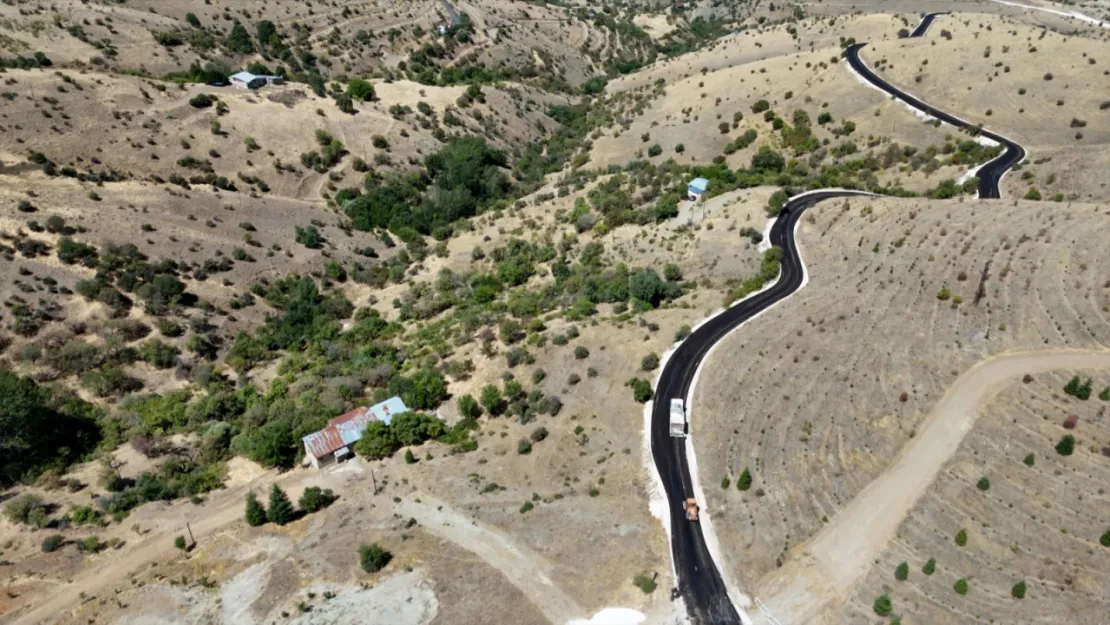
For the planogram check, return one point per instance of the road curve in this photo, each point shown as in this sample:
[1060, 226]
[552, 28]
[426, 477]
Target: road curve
[699, 581]
[990, 174]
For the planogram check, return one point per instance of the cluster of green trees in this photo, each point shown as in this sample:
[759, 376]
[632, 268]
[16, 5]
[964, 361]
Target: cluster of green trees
[306, 315]
[124, 269]
[280, 510]
[42, 429]
[1078, 388]
[381, 440]
[464, 177]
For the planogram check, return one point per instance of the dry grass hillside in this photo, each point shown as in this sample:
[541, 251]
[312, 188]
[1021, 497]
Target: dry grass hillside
[713, 98]
[579, 487]
[133, 129]
[936, 287]
[1048, 91]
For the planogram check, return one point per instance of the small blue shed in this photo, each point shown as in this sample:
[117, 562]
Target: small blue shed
[696, 188]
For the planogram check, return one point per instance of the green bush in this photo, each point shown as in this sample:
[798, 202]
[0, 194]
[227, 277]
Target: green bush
[961, 537]
[84, 515]
[373, 558]
[468, 407]
[524, 446]
[902, 571]
[776, 203]
[641, 389]
[315, 498]
[527, 507]
[882, 605]
[91, 544]
[1066, 446]
[1104, 540]
[960, 586]
[201, 101]
[26, 508]
[983, 484]
[409, 458]
[1018, 591]
[645, 583]
[1029, 460]
[180, 543]
[360, 89]
[655, 150]
[649, 362]
[51, 543]
[744, 482]
[930, 566]
[725, 482]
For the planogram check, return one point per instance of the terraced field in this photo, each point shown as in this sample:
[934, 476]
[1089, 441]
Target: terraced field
[819, 396]
[1036, 519]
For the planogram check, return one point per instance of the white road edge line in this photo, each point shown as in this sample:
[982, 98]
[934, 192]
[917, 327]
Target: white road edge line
[657, 496]
[920, 113]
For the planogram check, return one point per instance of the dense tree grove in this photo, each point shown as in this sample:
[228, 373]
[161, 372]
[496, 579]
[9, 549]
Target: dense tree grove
[458, 181]
[41, 429]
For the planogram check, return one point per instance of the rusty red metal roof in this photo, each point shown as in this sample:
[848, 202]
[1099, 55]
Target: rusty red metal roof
[347, 428]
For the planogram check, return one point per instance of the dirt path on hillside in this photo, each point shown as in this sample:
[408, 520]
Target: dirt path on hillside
[117, 566]
[823, 571]
[525, 570]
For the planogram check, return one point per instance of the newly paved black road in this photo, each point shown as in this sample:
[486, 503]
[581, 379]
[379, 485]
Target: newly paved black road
[990, 174]
[699, 581]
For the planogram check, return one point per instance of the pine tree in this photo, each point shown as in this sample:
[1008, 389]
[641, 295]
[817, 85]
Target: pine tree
[902, 572]
[930, 566]
[744, 482]
[256, 514]
[1066, 446]
[281, 509]
[1072, 387]
[409, 458]
[1084, 390]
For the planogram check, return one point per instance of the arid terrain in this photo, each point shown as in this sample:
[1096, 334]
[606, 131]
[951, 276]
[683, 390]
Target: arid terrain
[481, 207]
[1012, 283]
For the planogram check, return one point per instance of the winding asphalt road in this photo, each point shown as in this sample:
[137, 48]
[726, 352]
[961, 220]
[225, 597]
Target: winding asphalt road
[699, 580]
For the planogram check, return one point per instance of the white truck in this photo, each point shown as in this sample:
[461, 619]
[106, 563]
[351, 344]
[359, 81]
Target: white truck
[678, 418]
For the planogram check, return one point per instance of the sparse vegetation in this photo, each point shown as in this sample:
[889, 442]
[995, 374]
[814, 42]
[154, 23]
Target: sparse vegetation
[373, 558]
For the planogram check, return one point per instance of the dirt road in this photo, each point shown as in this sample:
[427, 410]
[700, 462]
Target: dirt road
[823, 571]
[224, 510]
[525, 570]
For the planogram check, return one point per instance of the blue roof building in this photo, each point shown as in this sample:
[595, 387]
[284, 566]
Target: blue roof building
[697, 187]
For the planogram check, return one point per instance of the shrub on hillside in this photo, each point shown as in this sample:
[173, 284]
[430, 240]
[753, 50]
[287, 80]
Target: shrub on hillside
[373, 558]
[1066, 446]
[52, 543]
[882, 605]
[314, 498]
